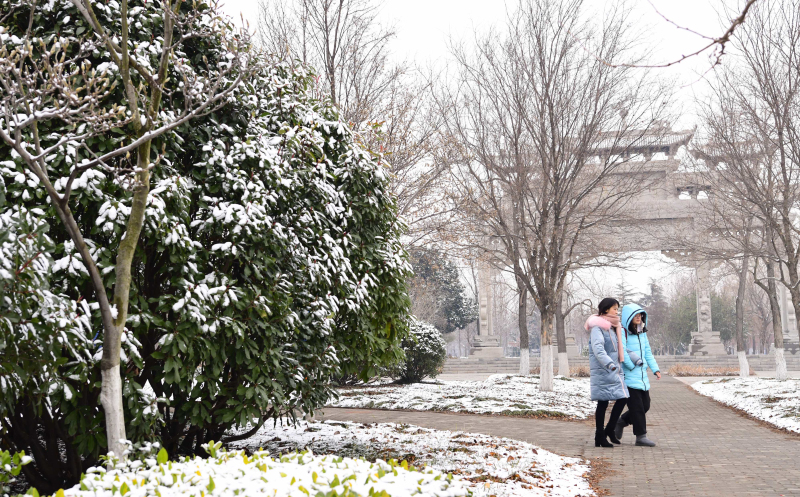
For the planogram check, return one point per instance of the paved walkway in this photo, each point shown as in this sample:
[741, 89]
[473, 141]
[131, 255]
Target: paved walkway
[704, 449]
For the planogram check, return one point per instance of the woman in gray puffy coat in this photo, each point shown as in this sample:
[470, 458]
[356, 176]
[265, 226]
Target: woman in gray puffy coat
[606, 377]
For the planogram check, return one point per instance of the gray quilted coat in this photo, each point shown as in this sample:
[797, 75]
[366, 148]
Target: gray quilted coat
[606, 376]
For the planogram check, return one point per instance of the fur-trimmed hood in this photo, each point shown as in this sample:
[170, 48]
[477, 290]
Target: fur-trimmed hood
[595, 320]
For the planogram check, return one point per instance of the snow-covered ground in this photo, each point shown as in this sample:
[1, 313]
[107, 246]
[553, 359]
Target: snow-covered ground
[235, 473]
[491, 465]
[499, 394]
[776, 402]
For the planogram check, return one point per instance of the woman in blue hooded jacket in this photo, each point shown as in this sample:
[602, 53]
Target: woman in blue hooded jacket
[636, 346]
[605, 357]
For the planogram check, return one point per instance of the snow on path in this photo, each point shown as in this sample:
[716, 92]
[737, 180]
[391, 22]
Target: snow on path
[492, 465]
[773, 401]
[499, 394]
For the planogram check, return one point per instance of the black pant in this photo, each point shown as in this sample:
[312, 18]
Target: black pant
[600, 413]
[638, 405]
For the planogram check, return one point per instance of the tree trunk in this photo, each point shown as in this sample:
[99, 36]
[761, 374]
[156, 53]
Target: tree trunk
[561, 337]
[781, 372]
[524, 347]
[111, 385]
[111, 389]
[546, 359]
[744, 368]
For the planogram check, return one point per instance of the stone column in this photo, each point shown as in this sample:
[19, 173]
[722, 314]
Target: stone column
[485, 344]
[705, 341]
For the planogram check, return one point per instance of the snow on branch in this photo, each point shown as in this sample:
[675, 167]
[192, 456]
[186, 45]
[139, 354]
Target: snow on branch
[73, 83]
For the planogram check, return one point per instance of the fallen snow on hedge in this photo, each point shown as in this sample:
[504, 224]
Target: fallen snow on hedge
[499, 394]
[234, 473]
[776, 402]
[491, 465]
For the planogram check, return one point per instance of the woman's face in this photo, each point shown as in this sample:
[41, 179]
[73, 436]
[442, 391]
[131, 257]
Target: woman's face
[613, 310]
[637, 319]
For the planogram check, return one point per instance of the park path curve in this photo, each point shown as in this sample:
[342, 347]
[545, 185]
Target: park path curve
[704, 449]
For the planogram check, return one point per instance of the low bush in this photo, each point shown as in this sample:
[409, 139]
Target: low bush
[426, 353]
[236, 473]
[579, 371]
[694, 370]
[574, 371]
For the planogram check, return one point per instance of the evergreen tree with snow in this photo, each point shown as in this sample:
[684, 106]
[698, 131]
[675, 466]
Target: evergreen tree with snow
[269, 260]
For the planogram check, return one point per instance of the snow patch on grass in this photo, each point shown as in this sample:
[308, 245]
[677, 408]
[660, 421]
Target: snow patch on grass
[773, 401]
[235, 473]
[491, 465]
[499, 394]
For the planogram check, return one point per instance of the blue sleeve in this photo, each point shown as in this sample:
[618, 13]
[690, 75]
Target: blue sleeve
[599, 348]
[628, 362]
[637, 361]
[648, 355]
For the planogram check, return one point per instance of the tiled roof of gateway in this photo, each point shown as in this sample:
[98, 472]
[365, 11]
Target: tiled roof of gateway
[639, 139]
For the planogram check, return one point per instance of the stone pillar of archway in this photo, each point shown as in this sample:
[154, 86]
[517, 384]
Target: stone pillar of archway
[788, 321]
[706, 341]
[485, 343]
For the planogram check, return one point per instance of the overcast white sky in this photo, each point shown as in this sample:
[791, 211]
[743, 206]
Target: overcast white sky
[426, 27]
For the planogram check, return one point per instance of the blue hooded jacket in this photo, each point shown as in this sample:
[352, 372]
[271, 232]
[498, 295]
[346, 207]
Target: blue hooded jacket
[636, 346]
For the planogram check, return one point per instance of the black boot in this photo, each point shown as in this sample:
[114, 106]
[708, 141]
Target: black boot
[600, 439]
[609, 432]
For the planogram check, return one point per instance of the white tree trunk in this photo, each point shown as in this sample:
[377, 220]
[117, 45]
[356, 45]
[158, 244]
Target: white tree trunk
[780, 365]
[546, 369]
[563, 364]
[525, 362]
[744, 367]
[111, 399]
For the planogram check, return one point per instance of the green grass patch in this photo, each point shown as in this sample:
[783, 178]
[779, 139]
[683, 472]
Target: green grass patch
[535, 413]
[487, 399]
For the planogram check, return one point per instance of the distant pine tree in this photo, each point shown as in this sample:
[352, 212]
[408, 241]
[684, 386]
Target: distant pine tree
[437, 293]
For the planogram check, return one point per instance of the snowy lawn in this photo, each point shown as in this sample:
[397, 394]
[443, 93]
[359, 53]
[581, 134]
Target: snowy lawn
[491, 465]
[499, 394]
[235, 473]
[776, 402]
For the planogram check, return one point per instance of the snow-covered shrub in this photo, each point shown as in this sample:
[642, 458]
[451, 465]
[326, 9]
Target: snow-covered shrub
[280, 266]
[236, 473]
[270, 260]
[426, 353]
[46, 348]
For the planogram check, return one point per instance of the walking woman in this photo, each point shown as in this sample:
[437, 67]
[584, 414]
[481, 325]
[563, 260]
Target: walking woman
[636, 345]
[605, 356]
